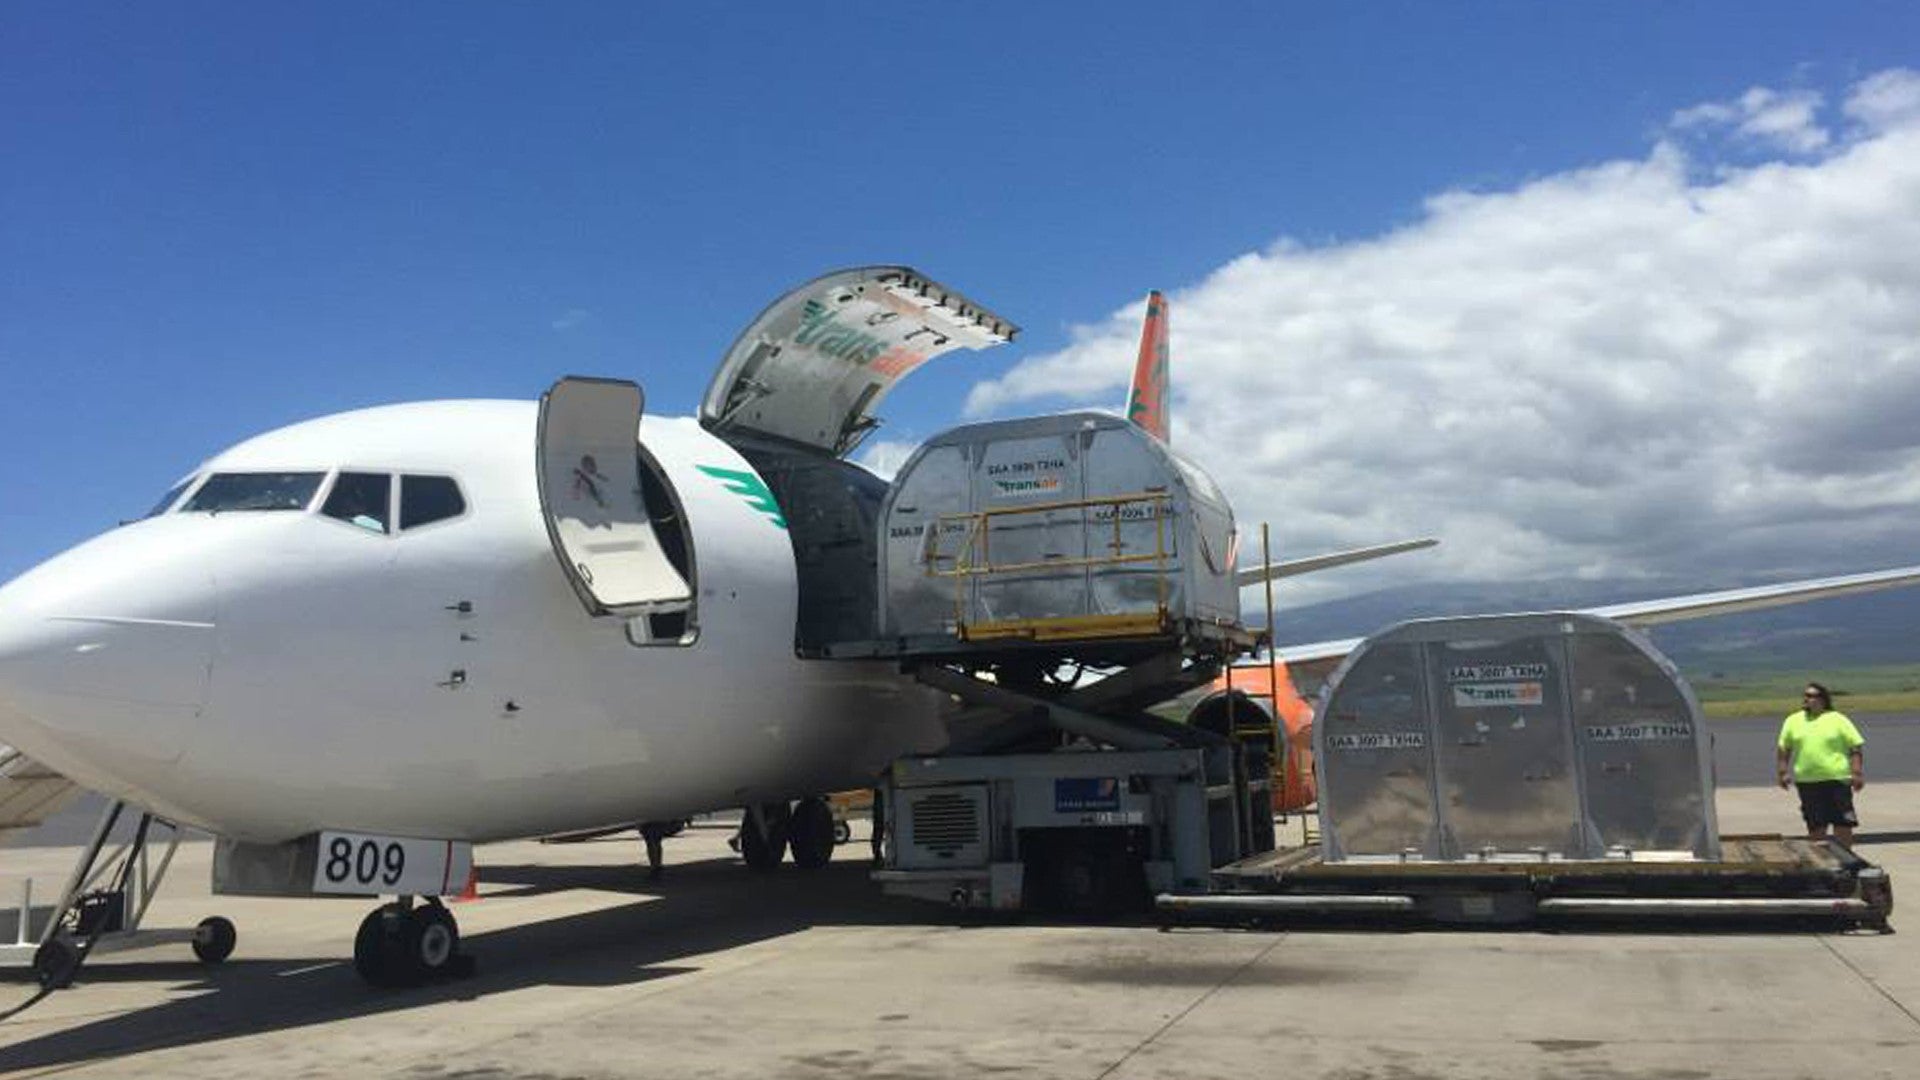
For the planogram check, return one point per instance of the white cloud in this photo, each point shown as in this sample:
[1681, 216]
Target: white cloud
[1633, 369]
[883, 457]
[1888, 99]
[1787, 120]
[572, 319]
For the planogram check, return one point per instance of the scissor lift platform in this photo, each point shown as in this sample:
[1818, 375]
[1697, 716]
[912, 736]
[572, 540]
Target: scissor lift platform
[1074, 799]
[1757, 877]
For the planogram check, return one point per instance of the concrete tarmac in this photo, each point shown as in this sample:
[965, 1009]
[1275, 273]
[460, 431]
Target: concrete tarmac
[1743, 748]
[588, 970]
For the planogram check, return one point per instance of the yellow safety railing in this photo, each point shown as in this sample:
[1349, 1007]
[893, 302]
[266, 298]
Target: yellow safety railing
[974, 560]
[1266, 725]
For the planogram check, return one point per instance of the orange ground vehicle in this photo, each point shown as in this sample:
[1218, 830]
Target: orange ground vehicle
[846, 805]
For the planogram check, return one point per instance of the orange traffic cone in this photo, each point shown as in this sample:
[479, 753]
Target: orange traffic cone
[472, 891]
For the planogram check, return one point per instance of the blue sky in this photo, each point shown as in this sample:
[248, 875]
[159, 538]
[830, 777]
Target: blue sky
[219, 218]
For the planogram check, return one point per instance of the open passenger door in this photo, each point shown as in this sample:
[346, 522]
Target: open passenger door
[591, 496]
[813, 366]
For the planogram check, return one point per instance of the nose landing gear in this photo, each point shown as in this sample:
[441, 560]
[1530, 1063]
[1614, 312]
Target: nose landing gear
[401, 944]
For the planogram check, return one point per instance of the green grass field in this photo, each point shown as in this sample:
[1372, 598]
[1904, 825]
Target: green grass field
[1887, 688]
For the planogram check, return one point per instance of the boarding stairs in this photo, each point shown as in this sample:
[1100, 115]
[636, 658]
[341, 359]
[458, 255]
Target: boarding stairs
[29, 791]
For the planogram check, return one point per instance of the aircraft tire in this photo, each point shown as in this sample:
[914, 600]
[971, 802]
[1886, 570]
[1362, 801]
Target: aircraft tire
[763, 853]
[433, 942]
[812, 833]
[377, 954]
[213, 939]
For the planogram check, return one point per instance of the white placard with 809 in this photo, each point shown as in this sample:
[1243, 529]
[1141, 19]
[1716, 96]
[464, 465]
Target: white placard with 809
[356, 864]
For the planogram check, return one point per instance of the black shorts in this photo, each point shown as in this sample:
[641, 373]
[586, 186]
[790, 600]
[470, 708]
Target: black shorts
[1827, 802]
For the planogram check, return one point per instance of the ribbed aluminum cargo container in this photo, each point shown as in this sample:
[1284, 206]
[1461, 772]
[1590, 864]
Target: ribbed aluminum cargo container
[1077, 525]
[1513, 737]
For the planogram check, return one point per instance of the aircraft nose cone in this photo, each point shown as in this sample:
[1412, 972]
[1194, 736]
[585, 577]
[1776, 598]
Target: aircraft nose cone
[104, 659]
[117, 658]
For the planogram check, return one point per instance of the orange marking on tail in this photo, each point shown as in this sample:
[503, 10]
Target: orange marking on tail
[1147, 403]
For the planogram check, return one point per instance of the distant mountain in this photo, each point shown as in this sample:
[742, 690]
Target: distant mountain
[1874, 628]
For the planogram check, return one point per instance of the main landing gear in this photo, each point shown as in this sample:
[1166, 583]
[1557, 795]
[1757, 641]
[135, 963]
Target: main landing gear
[404, 944]
[812, 835]
[770, 830]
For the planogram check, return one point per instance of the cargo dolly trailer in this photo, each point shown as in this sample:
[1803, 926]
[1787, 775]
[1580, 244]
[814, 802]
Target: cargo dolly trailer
[1527, 768]
[1769, 878]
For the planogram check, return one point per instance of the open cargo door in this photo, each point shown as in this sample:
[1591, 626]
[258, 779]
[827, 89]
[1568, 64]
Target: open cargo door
[590, 493]
[814, 365]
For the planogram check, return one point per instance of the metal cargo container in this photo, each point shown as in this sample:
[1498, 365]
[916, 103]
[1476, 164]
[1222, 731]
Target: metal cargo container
[1077, 526]
[1512, 737]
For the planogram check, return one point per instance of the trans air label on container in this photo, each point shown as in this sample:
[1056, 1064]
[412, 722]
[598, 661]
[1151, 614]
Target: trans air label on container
[1033, 476]
[1490, 695]
[1080, 794]
[1640, 731]
[1039, 485]
[1496, 672]
[1379, 740]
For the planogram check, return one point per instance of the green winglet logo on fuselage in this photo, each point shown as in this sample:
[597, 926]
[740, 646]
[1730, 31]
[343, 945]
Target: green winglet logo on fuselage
[750, 487]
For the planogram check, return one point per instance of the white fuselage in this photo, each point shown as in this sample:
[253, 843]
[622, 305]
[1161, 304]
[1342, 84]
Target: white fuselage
[267, 674]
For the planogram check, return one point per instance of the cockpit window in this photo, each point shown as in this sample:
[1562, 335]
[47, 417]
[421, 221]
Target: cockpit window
[173, 495]
[360, 499]
[426, 499]
[254, 491]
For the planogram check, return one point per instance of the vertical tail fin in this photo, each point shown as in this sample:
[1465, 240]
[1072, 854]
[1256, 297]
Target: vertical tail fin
[1147, 404]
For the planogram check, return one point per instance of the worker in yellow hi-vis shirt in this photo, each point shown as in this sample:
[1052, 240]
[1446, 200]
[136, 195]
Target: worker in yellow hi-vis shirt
[1828, 766]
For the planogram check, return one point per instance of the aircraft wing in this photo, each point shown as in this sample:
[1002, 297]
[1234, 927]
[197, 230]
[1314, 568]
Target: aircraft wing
[1726, 602]
[1315, 660]
[1254, 575]
[29, 791]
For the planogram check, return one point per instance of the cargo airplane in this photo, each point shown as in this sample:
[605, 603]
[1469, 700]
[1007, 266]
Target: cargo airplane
[354, 647]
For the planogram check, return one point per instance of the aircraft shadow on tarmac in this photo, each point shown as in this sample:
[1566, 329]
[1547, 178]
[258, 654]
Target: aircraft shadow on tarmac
[699, 908]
